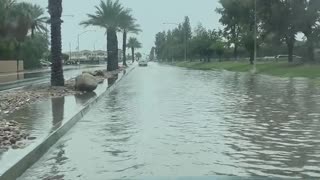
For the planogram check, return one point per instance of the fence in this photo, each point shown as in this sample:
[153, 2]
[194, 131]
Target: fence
[11, 66]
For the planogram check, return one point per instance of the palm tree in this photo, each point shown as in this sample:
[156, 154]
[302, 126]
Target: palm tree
[108, 15]
[133, 44]
[37, 19]
[55, 11]
[128, 25]
[138, 55]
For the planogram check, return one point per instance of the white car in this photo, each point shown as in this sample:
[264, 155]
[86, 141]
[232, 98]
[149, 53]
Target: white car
[143, 63]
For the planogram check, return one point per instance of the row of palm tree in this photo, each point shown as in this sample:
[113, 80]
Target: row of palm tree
[17, 20]
[113, 17]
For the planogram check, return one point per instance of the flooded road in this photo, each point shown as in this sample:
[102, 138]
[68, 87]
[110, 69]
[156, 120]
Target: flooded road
[169, 121]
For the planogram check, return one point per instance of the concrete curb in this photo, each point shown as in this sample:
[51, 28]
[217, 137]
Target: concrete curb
[35, 154]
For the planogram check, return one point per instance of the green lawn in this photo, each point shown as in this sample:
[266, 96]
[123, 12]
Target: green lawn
[282, 69]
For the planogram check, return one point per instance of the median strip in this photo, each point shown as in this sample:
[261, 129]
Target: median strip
[12, 168]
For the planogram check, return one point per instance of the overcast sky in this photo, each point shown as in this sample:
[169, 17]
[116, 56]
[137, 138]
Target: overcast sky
[150, 14]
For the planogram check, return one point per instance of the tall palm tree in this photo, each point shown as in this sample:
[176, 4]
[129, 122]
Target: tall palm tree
[133, 43]
[128, 25]
[55, 11]
[108, 15]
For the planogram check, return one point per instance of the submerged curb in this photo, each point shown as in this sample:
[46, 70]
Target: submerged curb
[36, 153]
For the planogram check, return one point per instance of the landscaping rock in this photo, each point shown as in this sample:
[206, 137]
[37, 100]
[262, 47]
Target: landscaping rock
[99, 73]
[86, 82]
[11, 135]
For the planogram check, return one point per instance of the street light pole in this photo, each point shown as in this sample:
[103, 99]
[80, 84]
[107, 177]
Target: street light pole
[79, 42]
[185, 40]
[255, 36]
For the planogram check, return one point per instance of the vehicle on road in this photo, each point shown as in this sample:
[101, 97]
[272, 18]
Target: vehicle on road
[285, 57]
[45, 63]
[143, 63]
[269, 58]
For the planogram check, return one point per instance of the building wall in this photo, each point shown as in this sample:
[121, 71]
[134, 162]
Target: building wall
[10, 66]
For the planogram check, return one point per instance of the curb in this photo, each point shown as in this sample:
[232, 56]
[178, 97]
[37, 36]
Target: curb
[36, 153]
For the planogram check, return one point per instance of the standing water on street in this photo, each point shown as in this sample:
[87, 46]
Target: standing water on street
[120, 89]
[169, 121]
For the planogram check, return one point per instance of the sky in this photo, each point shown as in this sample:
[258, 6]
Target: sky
[150, 14]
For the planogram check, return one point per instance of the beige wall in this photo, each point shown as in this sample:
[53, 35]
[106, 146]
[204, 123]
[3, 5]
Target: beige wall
[10, 66]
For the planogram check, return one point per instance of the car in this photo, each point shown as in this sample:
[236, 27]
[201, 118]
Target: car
[143, 63]
[45, 63]
[268, 58]
[281, 57]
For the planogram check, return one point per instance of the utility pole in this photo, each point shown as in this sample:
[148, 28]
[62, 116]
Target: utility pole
[255, 36]
[70, 51]
[79, 42]
[185, 44]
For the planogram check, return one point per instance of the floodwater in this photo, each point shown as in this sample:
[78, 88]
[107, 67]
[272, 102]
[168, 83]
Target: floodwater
[164, 121]
[14, 80]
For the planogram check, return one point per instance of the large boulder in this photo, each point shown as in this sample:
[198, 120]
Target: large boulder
[86, 82]
[98, 73]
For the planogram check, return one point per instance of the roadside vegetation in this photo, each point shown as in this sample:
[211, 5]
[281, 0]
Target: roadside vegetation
[281, 69]
[23, 33]
[293, 38]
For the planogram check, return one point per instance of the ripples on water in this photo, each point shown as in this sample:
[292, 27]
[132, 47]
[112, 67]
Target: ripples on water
[167, 121]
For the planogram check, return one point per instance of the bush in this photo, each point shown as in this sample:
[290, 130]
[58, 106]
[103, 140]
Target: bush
[32, 50]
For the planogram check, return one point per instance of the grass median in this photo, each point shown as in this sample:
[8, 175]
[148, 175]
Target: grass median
[282, 69]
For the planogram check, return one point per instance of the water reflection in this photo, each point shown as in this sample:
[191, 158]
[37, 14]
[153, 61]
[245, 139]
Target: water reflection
[112, 80]
[58, 159]
[83, 99]
[57, 105]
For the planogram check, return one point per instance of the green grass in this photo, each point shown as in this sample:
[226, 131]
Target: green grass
[282, 69]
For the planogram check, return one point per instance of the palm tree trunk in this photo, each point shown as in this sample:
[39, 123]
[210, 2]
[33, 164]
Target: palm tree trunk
[112, 48]
[124, 48]
[55, 10]
[251, 57]
[32, 32]
[132, 51]
[310, 45]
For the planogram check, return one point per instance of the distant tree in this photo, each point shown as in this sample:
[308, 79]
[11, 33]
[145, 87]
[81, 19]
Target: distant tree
[127, 25]
[201, 42]
[160, 45]
[152, 54]
[218, 48]
[34, 49]
[133, 44]
[281, 18]
[65, 57]
[310, 24]
[186, 28]
[230, 13]
[239, 20]
[138, 55]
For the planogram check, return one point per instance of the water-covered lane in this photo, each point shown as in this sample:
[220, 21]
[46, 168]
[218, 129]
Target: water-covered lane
[168, 121]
